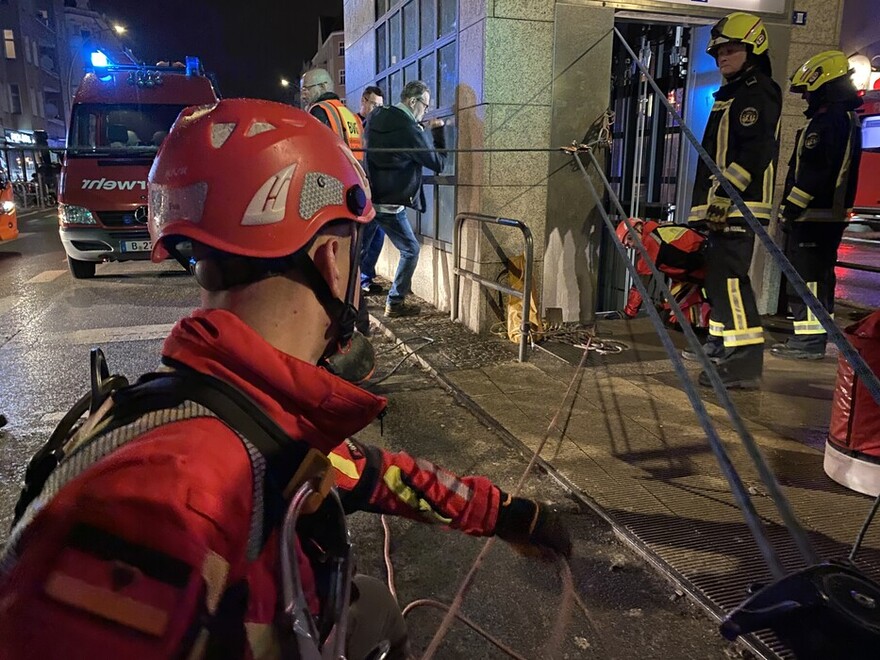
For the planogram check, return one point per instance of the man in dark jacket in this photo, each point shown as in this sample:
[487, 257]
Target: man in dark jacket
[819, 192]
[371, 99]
[396, 180]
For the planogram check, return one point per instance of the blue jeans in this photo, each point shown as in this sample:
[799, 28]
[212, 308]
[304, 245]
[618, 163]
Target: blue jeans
[400, 233]
[369, 256]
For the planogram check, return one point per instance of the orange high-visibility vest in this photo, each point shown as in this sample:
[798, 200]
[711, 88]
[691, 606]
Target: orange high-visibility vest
[345, 124]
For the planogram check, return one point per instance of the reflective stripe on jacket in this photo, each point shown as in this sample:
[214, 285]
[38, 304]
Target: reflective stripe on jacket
[824, 166]
[742, 136]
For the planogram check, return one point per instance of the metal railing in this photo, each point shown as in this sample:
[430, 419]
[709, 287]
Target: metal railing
[458, 272]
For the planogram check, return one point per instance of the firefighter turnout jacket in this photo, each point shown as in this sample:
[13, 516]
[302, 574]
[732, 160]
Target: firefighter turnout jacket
[823, 169]
[332, 112]
[742, 136]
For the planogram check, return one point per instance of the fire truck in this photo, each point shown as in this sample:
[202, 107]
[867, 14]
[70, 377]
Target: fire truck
[121, 114]
[8, 217]
[867, 205]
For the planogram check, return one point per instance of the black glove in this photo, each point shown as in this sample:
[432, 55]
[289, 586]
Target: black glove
[532, 528]
[717, 211]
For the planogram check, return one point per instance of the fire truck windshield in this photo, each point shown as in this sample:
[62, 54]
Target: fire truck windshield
[120, 129]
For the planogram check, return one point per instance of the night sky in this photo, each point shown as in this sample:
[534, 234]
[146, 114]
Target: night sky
[249, 44]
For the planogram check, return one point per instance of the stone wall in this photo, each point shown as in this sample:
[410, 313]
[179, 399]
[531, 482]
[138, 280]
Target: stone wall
[533, 74]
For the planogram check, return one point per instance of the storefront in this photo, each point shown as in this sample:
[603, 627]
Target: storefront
[537, 75]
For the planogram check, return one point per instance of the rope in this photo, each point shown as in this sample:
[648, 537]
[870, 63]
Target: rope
[574, 334]
[428, 341]
[856, 361]
[469, 578]
[864, 530]
[739, 491]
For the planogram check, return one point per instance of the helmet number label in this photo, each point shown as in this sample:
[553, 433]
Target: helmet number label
[748, 117]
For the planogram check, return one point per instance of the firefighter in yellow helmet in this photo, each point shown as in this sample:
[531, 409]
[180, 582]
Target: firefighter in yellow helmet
[819, 192]
[742, 137]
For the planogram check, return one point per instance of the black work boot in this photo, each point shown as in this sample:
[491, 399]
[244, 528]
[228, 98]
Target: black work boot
[740, 369]
[713, 348]
[794, 349]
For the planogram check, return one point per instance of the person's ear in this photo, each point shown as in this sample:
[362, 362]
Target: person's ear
[326, 260]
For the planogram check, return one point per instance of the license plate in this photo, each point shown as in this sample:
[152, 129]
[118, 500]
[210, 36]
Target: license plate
[137, 246]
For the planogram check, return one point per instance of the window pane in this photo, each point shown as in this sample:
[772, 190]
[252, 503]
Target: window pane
[381, 8]
[383, 85]
[396, 82]
[450, 134]
[413, 217]
[411, 73]
[428, 18]
[395, 39]
[428, 73]
[381, 49]
[445, 212]
[426, 221]
[448, 75]
[410, 28]
[448, 16]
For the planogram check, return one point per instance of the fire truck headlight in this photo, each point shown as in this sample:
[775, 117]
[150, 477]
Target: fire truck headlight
[7, 207]
[75, 215]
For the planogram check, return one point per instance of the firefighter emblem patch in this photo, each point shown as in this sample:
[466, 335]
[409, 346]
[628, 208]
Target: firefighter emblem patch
[748, 117]
[811, 140]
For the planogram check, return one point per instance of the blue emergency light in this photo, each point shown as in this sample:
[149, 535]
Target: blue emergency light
[99, 60]
[193, 66]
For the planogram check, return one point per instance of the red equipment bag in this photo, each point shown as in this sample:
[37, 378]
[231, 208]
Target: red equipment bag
[135, 544]
[852, 454]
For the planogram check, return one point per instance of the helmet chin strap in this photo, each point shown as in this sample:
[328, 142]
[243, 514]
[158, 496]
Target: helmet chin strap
[218, 275]
[343, 313]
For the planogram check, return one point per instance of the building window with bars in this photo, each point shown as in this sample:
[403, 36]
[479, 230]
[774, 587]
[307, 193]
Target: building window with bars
[9, 44]
[417, 40]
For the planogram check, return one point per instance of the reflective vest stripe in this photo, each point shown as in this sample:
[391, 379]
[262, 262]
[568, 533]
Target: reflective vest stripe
[345, 124]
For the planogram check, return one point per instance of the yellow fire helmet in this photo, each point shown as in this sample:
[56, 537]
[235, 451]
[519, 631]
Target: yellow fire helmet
[818, 70]
[739, 28]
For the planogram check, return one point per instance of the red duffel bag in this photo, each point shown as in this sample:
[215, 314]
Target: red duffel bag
[852, 453]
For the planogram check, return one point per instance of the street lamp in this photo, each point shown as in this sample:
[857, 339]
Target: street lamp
[119, 29]
[285, 83]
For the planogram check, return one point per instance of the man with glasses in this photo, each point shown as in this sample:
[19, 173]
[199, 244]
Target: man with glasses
[371, 99]
[396, 180]
[320, 101]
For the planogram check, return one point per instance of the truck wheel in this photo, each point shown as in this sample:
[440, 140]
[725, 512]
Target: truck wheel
[81, 270]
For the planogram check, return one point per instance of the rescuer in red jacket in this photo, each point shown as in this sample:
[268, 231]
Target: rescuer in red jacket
[274, 247]
[676, 251]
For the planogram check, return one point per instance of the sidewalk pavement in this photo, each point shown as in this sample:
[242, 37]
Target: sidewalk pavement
[630, 446]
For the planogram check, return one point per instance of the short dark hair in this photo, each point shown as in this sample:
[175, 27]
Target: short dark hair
[372, 89]
[413, 90]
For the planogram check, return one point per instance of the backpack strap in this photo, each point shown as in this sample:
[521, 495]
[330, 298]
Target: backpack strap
[278, 462]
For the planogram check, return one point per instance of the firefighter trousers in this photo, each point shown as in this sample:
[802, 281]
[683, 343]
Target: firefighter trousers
[734, 317]
[811, 247]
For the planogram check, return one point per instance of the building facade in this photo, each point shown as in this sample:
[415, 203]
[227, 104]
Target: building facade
[31, 71]
[331, 56]
[87, 31]
[541, 74]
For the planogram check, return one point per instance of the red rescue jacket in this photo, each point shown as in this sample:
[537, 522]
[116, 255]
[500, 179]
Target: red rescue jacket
[676, 251]
[310, 403]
